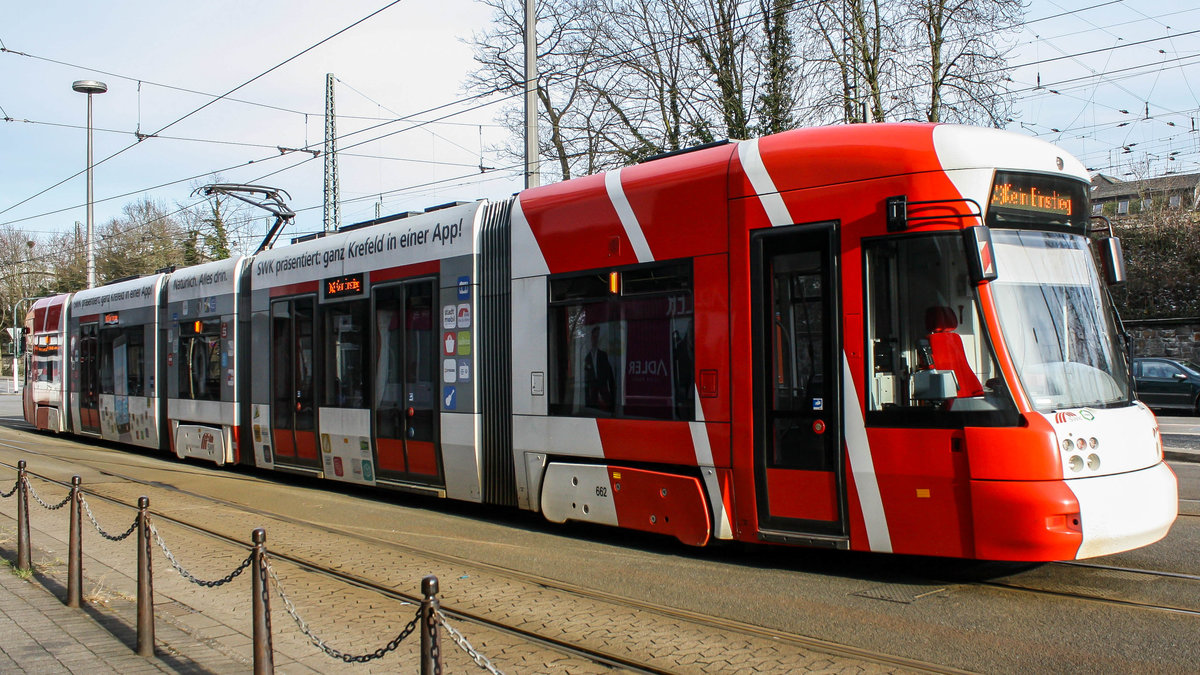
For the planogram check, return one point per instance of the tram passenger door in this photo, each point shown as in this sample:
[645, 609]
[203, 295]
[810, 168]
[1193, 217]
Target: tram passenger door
[406, 373]
[797, 346]
[89, 378]
[293, 405]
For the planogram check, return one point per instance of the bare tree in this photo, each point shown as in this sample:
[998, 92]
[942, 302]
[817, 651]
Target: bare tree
[778, 98]
[627, 79]
[564, 53]
[963, 66]
[145, 238]
[23, 274]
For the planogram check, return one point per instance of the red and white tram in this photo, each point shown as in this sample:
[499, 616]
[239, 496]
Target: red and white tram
[878, 337]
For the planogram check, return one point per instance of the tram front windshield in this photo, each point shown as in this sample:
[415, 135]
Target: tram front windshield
[1056, 321]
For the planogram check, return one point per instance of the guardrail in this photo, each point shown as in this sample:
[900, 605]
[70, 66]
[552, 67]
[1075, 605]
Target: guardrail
[429, 616]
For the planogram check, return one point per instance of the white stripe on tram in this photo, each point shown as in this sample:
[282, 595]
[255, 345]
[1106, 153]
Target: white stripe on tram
[862, 466]
[616, 193]
[760, 180]
[721, 527]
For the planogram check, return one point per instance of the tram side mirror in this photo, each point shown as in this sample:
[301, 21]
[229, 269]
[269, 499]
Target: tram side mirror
[981, 257]
[1113, 260]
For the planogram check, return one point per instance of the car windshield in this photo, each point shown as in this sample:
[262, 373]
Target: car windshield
[1056, 321]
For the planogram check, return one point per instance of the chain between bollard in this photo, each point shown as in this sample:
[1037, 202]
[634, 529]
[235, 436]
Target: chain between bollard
[330, 651]
[87, 509]
[463, 644]
[6, 495]
[38, 499]
[188, 575]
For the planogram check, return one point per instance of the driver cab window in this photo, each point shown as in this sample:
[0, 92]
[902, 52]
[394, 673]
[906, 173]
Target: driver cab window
[928, 354]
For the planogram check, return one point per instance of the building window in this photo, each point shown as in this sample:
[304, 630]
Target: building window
[1123, 207]
[1175, 201]
[1097, 208]
[622, 343]
[1146, 202]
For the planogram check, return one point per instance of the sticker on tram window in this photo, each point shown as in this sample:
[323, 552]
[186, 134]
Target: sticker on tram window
[464, 288]
[112, 319]
[818, 404]
[449, 320]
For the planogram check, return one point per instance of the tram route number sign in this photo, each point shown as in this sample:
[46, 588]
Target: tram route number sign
[345, 286]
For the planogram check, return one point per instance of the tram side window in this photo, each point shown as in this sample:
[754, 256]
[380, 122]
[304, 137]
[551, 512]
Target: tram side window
[122, 361]
[107, 338]
[346, 336]
[135, 361]
[928, 353]
[199, 360]
[622, 343]
[45, 360]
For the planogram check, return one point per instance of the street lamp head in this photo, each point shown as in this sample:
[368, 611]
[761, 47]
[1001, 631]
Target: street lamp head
[89, 86]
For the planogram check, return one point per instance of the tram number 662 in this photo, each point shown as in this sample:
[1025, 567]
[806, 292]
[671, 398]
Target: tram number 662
[601, 490]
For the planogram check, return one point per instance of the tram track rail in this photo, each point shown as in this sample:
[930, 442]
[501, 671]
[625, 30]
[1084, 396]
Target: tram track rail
[1017, 585]
[569, 589]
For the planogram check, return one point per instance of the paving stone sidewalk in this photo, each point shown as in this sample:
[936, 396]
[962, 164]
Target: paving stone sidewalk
[39, 634]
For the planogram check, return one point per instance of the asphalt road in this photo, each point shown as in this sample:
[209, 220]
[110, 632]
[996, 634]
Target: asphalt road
[944, 614]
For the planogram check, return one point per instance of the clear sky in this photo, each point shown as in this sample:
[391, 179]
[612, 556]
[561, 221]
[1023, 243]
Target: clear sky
[1100, 62]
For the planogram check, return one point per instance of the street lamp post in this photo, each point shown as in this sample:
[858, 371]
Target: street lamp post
[90, 87]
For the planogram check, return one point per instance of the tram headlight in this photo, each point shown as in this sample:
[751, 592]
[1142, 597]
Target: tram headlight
[1068, 445]
[1093, 442]
[1093, 462]
[1076, 463]
[1080, 444]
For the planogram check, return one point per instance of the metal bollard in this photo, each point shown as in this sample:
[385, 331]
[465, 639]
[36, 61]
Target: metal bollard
[431, 652]
[264, 657]
[145, 583]
[75, 547]
[23, 557]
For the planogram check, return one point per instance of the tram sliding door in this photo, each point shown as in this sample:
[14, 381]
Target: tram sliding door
[798, 384]
[89, 378]
[293, 409]
[406, 405]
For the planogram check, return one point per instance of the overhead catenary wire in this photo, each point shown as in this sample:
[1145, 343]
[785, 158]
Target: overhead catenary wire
[211, 102]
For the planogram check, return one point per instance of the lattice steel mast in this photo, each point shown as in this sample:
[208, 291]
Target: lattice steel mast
[333, 196]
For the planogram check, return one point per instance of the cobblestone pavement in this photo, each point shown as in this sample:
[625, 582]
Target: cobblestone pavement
[39, 634]
[357, 621]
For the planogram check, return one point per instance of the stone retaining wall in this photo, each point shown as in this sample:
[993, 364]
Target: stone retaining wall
[1170, 338]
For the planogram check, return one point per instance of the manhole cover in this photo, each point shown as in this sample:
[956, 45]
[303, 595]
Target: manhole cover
[902, 593]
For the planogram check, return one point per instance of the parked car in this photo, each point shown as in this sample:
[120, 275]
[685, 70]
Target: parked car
[1168, 384]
